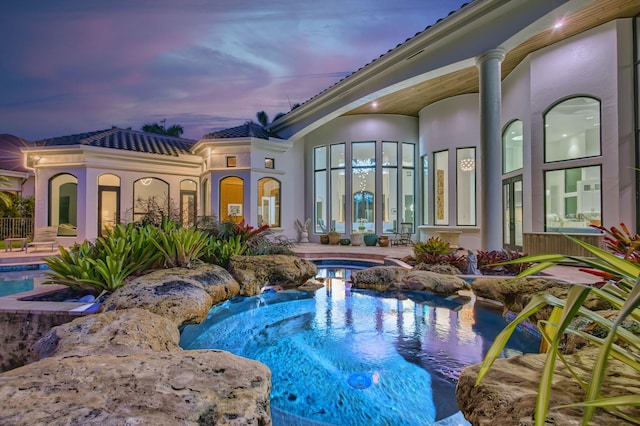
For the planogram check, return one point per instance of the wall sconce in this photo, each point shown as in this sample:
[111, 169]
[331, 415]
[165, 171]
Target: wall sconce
[467, 164]
[146, 181]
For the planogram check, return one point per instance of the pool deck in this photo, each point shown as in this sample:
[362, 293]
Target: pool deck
[308, 251]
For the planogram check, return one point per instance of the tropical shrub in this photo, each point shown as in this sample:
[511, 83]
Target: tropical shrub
[434, 245]
[621, 242]
[180, 247]
[105, 265]
[495, 262]
[220, 251]
[623, 294]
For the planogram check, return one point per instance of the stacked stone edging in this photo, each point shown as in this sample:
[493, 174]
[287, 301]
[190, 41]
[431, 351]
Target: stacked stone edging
[124, 365]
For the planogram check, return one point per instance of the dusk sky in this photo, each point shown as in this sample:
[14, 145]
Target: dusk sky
[74, 66]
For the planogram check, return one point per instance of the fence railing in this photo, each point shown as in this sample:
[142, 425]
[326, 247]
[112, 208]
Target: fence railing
[15, 227]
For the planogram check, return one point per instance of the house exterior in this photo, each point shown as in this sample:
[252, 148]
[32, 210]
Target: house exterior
[504, 121]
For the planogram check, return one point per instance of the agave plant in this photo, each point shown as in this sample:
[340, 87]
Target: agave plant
[623, 294]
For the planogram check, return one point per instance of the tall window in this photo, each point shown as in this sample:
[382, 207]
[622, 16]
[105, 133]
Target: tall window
[425, 190]
[338, 188]
[320, 189]
[108, 202]
[389, 188]
[232, 199]
[441, 187]
[512, 148]
[63, 203]
[573, 199]
[408, 182]
[572, 129]
[268, 202]
[151, 199]
[188, 204]
[466, 186]
[363, 182]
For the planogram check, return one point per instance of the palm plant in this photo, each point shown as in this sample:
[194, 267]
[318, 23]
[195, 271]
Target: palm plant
[623, 293]
[5, 197]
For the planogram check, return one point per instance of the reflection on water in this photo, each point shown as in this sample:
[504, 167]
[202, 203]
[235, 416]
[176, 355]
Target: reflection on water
[346, 356]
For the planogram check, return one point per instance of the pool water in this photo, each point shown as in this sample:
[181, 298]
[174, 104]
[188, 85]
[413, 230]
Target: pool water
[351, 357]
[19, 281]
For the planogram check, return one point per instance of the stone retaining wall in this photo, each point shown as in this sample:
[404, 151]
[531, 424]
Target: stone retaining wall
[20, 330]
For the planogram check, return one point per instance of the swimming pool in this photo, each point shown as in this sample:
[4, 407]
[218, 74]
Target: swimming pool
[15, 282]
[344, 356]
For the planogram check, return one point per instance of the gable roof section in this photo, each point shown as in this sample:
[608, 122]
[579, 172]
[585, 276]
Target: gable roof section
[246, 130]
[124, 139]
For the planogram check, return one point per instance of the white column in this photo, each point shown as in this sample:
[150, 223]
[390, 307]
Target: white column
[490, 148]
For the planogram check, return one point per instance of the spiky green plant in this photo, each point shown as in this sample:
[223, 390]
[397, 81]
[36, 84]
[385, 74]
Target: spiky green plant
[180, 247]
[623, 294]
[220, 251]
[105, 265]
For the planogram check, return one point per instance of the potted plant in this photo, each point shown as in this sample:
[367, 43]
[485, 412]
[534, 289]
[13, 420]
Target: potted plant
[334, 237]
[370, 239]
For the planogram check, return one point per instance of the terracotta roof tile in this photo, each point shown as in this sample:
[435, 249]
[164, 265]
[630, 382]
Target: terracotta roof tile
[247, 130]
[125, 139]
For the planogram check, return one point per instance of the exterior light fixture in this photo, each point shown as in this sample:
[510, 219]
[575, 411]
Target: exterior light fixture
[467, 164]
[558, 24]
[374, 104]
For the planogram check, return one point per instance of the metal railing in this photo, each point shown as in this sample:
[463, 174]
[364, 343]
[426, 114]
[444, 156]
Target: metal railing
[15, 227]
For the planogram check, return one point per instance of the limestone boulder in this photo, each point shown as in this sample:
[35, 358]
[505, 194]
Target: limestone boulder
[214, 279]
[146, 388]
[180, 294]
[516, 293]
[179, 300]
[114, 332]
[255, 272]
[384, 278]
[507, 395]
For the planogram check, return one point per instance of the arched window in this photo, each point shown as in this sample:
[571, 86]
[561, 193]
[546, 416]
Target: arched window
[232, 199]
[108, 201]
[269, 202]
[512, 149]
[572, 129]
[151, 199]
[188, 206]
[63, 204]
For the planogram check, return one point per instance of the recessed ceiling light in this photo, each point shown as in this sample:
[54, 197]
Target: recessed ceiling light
[564, 135]
[558, 24]
[374, 104]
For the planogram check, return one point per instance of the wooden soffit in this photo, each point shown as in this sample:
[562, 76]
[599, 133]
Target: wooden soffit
[411, 100]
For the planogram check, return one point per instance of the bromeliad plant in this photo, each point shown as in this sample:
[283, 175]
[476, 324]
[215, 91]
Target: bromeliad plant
[105, 265]
[623, 294]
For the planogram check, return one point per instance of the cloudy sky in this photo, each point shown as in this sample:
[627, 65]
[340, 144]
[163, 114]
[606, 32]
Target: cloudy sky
[73, 66]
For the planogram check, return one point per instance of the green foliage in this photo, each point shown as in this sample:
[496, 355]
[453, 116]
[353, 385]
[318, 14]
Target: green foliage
[105, 265]
[18, 207]
[623, 294]
[180, 247]
[434, 245]
[220, 251]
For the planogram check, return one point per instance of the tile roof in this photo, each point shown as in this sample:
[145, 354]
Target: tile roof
[125, 139]
[247, 130]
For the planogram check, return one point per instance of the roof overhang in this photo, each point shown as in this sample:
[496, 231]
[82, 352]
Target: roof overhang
[440, 62]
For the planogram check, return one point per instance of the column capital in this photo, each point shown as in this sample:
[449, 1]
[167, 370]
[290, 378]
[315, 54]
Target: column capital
[490, 55]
